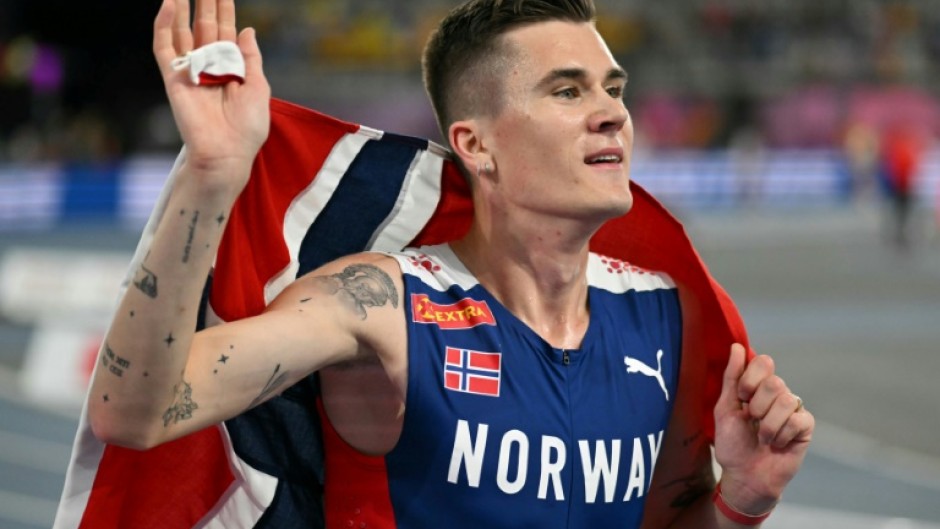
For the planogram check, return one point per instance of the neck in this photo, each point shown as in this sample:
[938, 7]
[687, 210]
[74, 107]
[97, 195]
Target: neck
[537, 270]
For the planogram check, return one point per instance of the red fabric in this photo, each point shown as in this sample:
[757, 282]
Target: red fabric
[171, 486]
[650, 237]
[159, 487]
[208, 79]
[356, 491]
[177, 484]
[245, 264]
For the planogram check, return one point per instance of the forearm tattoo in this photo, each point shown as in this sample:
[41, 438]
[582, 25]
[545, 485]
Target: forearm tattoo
[183, 405]
[692, 487]
[189, 238]
[361, 286]
[114, 363]
[146, 282]
[276, 380]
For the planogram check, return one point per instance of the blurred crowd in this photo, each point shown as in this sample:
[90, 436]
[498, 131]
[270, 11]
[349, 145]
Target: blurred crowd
[703, 73]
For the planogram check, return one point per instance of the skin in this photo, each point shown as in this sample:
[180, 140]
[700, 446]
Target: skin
[535, 210]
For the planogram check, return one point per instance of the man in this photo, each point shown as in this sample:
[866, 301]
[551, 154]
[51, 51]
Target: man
[510, 378]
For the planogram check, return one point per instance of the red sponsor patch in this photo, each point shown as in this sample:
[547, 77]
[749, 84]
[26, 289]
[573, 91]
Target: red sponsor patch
[471, 371]
[463, 314]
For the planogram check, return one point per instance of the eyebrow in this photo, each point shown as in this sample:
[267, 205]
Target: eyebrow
[577, 74]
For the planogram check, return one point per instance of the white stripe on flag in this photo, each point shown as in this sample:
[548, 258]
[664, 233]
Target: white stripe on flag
[305, 209]
[247, 498]
[417, 200]
[86, 457]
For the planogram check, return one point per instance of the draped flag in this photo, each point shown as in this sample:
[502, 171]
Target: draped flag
[320, 189]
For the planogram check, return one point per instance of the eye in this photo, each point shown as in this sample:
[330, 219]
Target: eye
[566, 93]
[615, 92]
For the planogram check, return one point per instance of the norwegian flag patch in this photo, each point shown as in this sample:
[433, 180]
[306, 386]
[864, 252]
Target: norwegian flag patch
[469, 371]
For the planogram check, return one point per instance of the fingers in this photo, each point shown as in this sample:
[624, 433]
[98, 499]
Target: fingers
[787, 422]
[779, 413]
[226, 19]
[248, 43]
[728, 400]
[206, 24]
[182, 34]
[163, 49]
[758, 370]
[773, 415]
[214, 20]
[797, 429]
[173, 36]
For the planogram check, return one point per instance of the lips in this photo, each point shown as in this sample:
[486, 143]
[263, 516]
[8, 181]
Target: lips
[605, 156]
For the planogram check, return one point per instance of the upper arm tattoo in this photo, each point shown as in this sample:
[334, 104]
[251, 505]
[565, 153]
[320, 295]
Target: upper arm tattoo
[361, 285]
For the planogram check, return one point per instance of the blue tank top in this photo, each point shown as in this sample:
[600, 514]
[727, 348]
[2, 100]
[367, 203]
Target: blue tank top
[503, 430]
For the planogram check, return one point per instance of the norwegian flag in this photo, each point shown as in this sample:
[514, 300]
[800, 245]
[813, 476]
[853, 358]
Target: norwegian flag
[320, 189]
[471, 371]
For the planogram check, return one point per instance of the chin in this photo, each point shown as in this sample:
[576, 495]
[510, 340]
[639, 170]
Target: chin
[614, 206]
[624, 206]
[621, 201]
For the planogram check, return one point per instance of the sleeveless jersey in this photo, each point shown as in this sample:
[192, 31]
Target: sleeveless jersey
[503, 430]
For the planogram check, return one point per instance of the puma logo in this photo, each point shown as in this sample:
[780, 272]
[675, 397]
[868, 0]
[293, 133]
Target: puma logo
[636, 366]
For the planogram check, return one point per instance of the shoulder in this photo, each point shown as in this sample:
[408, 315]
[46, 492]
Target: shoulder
[358, 282]
[362, 269]
[368, 264]
[434, 267]
[358, 297]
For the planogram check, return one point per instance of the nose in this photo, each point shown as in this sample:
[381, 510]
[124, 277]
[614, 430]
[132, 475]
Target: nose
[610, 115]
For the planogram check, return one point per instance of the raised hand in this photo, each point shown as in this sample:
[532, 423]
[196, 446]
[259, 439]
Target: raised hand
[224, 126]
[762, 433]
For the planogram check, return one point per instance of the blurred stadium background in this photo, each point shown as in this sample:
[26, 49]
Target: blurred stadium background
[779, 131]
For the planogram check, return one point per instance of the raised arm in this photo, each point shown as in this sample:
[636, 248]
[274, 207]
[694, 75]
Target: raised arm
[157, 379]
[143, 358]
[762, 433]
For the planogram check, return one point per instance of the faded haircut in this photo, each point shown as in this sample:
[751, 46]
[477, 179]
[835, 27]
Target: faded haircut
[466, 58]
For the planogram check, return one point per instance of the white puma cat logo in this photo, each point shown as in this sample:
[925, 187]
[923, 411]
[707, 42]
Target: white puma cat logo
[636, 366]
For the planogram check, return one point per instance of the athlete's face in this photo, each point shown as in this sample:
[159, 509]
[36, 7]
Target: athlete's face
[561, 143]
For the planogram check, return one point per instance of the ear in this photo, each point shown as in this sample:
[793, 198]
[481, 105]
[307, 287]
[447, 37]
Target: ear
[466, 140]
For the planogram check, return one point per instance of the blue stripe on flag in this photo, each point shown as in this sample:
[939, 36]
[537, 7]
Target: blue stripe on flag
[363, 199]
